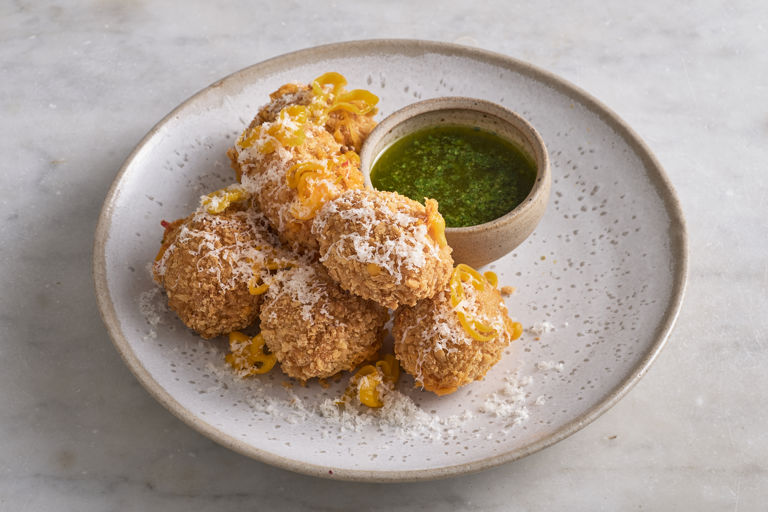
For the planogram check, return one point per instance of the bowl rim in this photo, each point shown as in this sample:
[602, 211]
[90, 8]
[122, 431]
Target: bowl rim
[414, 110]
[678, 248]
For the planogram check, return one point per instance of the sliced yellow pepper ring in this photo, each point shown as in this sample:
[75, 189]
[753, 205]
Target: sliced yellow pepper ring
[331, 78]
[358, 101]
[492, 278]
[361, 95]
[249, 356]
[217, 202]
[475, 329]
[471, 275]
[369, 377]
[297, 171]
[515, 329]
[288, 129]
[311, 194]
[238, 337]
[368, 380]
[248, 137]
[278, 265]
[298, 114]
[461, 274]
[390, 367]
[435, 223]
[354, 108]
[269, 146]
[466, 274]
[255, 289]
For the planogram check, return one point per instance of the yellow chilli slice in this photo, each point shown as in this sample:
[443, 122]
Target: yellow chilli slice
[337, 80]
[473, 328]
[249, 356]
[465, 274]
[278, 265]
[248, 137]
[359, 95]
[288, 129]
[350, 157]
[255, 289]
[515, 329]
[368, 380]
[435, 223]
[217, 202]
[358, 101]
[492, 278]
[296, 171]
[469, 274]
[390, 367]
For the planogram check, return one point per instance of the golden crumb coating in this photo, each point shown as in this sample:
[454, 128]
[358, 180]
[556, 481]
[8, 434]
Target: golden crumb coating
[315, 328]
[205, 264]
[383, 246]
[434, 347]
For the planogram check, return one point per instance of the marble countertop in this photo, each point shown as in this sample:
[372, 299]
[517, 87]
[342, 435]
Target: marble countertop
[81, 84]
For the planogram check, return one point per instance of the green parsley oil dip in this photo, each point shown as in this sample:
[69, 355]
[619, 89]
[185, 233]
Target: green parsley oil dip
[475, 175]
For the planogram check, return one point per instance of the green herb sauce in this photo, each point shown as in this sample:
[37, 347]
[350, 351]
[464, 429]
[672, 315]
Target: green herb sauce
[475, 176]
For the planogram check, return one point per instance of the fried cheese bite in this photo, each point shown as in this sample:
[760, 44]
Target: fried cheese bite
[299, 152]
[455, 337]
[384, 247]
[291, 184]
[211, 263]
[316, 329]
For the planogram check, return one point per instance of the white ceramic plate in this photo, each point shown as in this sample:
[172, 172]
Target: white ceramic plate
[602, 277]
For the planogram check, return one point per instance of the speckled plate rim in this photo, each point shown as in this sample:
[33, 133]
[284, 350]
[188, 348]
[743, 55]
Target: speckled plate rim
[677, 236]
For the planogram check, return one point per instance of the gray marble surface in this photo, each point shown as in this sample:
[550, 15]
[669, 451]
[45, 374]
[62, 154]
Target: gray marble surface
[81, 83]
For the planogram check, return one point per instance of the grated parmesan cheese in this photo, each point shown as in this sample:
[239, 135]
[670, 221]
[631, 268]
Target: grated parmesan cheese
[150, 306]
[305, 287]
[540, 328]
[545, 366]
[509, 402]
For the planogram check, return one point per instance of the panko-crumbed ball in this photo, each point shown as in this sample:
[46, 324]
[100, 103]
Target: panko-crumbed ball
[384, 247]
[290, 206]
[287, 95]
[433, 345]
[206, 263]
[315, 328]
[300, 152]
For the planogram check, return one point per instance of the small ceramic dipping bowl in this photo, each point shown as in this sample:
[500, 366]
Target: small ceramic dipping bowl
[482, 243]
